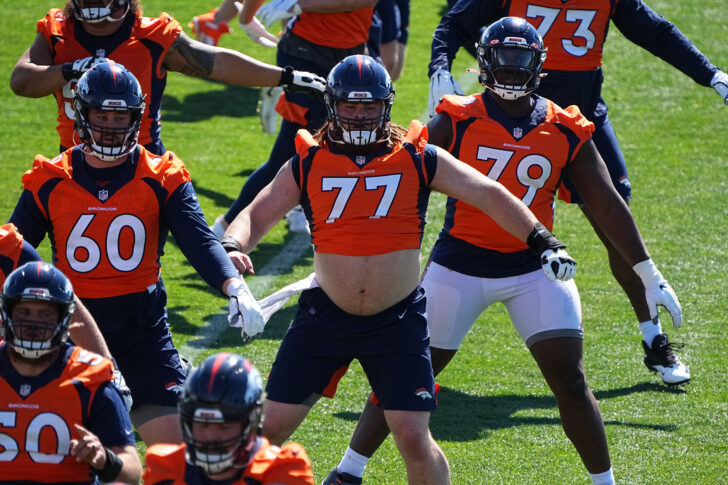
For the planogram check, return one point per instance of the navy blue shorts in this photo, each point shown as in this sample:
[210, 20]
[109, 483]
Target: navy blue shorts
[136, 331]
[392, 348]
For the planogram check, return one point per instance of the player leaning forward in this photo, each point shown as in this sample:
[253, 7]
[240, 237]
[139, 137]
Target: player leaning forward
[107, 205]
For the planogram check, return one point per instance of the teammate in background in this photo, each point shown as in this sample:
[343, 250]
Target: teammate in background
[527, 143]
[388, 41]
[220, 409]
[574, 33]
[45, 382]
[364, 185]
[209, 27]
[108, 205]
[319, 34]
[69, 41]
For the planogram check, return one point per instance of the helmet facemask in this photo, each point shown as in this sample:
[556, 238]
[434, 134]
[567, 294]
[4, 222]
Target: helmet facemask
[95, 11]
[359, 131]
[107, 143]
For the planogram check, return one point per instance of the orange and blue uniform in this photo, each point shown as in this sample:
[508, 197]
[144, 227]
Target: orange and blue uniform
[40, 413]
[574, 31]
[107, 229]
[14, 252]
[528, 157]
[313, 42]
[360, 205]
[140, 45]
[167, 465]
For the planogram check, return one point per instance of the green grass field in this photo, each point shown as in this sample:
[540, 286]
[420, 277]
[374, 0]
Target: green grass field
[497, 421]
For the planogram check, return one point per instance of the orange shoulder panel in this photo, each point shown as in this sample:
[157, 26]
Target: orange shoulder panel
[164, 462]
[289, 464]
[167, 168]
[304, 142]
[163, 29]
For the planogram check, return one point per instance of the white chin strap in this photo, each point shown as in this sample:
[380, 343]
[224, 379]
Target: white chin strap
[94, 15]
[359, 137]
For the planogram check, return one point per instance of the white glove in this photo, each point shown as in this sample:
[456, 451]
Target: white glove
[75, 69]
[720, 84]
[257, 32]
[658, 292]
[268, 114]
[245, 312]
[441, 83]
[558, 265]
[303, 82]
[118, 379]
[278, 10]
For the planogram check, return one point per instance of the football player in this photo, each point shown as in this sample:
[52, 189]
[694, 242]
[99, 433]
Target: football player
[574, 33]
[220, 408]
[364, 184]
[15, 252]
[71, 40]
[527, 143]
[63, 419]
[318, 35]
[107, 205]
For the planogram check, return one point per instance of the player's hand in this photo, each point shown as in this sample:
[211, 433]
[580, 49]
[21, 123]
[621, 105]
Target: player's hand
[304, 82]
[268, 114]
[558, 265]
[75, 69]
[278, 10]
[245, 313]
[441, 83]
[88, 448]
[720, 84]
[257, 32]
[658, 292]
[120, 382]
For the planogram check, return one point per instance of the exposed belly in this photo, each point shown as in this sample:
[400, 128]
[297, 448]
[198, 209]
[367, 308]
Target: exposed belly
[366, 285]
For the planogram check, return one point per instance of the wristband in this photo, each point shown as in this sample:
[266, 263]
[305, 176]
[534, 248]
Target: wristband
[67, 70]
[286, 76]
[230, 244]
[112, 468]
[542, 239]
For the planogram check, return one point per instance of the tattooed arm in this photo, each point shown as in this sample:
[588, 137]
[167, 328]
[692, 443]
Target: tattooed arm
[196, 59]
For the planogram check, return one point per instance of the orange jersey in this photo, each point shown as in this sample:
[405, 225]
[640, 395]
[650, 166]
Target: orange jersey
[166, 464]
[359, 206]
[573, 30]
[141, 46]
[38, 423]
[11, 245]
[105, 239]
[526, 158]
[342, 30]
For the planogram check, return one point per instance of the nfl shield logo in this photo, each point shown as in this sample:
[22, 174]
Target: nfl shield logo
[360, 160]
[100, 52]
[103, 195]
[25, 390]
[517, 133]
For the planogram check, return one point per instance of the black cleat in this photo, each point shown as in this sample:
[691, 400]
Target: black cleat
[661, 358]
[336, 478]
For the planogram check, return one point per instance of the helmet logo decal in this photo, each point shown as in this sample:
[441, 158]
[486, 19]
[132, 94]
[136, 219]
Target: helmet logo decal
[360, 95]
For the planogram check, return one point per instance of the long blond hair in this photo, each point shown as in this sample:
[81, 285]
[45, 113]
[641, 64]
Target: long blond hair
[397, 134]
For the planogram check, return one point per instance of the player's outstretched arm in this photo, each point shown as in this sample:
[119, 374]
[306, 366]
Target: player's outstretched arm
[34, 75]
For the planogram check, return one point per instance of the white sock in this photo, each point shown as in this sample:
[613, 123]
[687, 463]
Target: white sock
[650, 330]
[604, 478]
[353, 463]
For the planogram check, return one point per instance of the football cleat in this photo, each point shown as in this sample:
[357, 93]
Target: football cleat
[336, 478]
[206, 30]
[297, 221]
[268, 115]
[661, 358]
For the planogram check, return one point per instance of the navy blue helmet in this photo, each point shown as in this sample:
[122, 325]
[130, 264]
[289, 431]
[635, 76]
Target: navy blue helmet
[36, 281]
[226, 388]
[95, 11]
[511, 55]
[359, 79]
[108, 86]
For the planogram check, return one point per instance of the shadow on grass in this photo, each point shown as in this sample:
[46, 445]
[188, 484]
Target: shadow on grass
[233, 101]
[463, 417]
